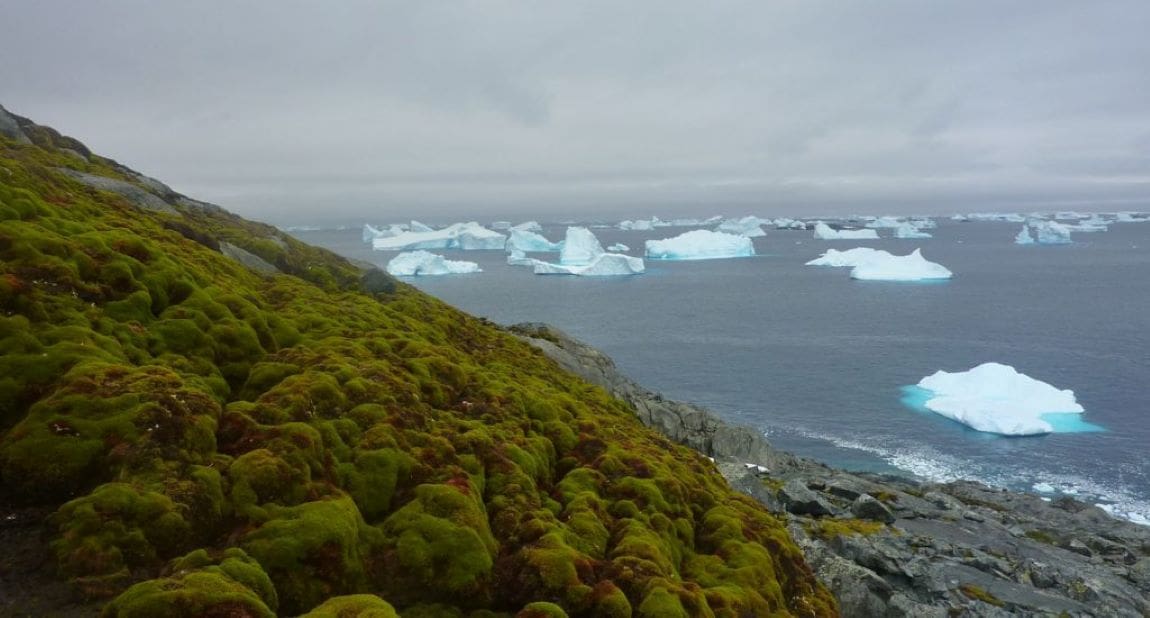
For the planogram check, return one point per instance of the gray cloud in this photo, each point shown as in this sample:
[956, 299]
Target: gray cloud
[298, 111]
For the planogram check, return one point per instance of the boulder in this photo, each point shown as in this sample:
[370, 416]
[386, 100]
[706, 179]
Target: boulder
[867, 507]
[802, 501]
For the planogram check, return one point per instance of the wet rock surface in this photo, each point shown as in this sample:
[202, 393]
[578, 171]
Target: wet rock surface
[889, 546]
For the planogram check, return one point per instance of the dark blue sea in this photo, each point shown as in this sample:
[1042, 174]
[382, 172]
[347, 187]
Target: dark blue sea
[818, 362]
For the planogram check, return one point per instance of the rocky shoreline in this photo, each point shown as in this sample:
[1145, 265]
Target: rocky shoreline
[889, 546]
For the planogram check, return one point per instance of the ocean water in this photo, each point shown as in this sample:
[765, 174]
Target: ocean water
[820, 363]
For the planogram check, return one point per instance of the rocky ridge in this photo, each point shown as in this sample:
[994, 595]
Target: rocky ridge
[889, 546]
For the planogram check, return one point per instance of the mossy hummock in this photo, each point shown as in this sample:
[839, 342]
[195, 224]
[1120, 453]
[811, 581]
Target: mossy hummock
[223, 441]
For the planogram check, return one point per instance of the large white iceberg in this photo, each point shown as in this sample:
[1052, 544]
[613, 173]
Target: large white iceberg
[911, 267]
[1023, 237]
[700, 245]
[582, 255]
[1051, 233]
[906, 230]
[849, 258]
[603, 265]
[471, 236]
[995, 398]
[418, 263]
[751, 226]
[530, 241]
[579, 247]
[826, 232]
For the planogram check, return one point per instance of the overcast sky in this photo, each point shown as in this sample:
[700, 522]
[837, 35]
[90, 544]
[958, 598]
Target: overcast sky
[301, 112]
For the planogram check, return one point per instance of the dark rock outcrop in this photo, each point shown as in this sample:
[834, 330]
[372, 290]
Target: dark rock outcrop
[889, 546]
[248, 259]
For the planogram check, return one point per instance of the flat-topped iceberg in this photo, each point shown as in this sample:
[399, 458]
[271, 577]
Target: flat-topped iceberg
[996, 398]
[751, 226]
[421, 263]
[826, 232]
[470, 236]
[603, 265]
[700, 245]
[849, 258]
[889, 267]
[907, 230]
[530, 241]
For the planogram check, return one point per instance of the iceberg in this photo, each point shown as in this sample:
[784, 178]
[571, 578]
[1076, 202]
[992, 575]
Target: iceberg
[580, 247]
[371, 232]
[784, 223]
[923, 223]
[826, 232]
[416, 226]
[911, 267]
[528, 226]
[1024, 237]
[617, 247]
[700, 245]
[518, 258]
[469, 236]
[849, 258]
[500, 225]
[603, 265]
[996, 398]
[530, 241]
[885, 223]
[639, 225]
[1093, 224]
[1051, 233]
[419, 263]
[751, 227]
[906, 230]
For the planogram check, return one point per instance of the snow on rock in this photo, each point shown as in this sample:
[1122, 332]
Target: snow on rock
[911, 267]
[603, 265]
[579, 247]
[471, 236]
[700, 245]
[617, 247]
[530, 241]
[419, 263]
[1051, 233]
[996, 398]
[747, 226]
[1024, 237]
[826, 232]
[906, 230]
[848, 258]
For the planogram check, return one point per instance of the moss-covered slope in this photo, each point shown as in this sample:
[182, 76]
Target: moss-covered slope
[214, 440]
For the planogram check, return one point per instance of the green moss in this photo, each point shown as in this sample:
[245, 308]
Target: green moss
[1042, 536]
[541, 609]
[830, 528]
[305, 440]
[313, 551]
[979, 594]
[353, 606]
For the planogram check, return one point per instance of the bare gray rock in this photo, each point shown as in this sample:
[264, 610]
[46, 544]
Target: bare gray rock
[137, 196]
[247, 258]
[953, 549]
[10, 128]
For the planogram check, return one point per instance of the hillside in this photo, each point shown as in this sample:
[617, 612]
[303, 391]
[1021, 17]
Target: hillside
[202, 416]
